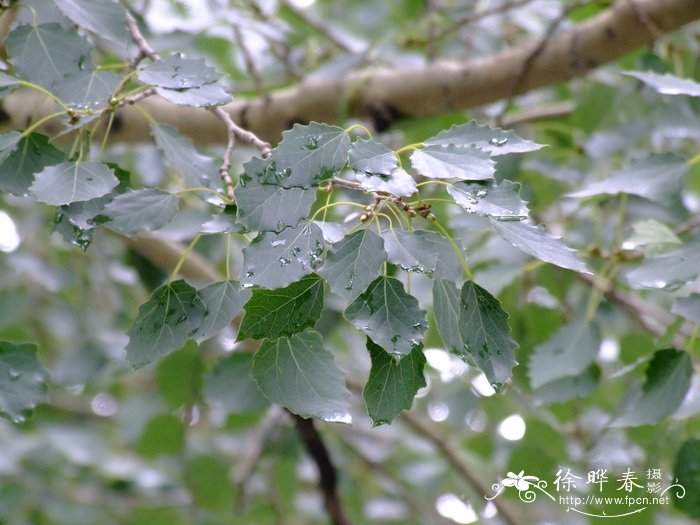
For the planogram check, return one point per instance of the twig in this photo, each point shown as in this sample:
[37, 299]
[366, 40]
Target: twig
[538, 48]
[319, 26]
[232, 129]
[250, 66]
[470, 17]
[544, 112]
[453, 457]
[328, 478]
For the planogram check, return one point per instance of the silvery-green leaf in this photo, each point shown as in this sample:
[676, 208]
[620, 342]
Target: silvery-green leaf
[668, 270]
[688, 308]
[651, 237]
[424, 252]
[453, 162]
[667, 84]
[567, 388]
[7, 81]
[353, 263]
[44, 54]
[372, 157]
[498, 201]
[535, 241]
[22, 380]
[224, 222]
[657, 178]
[197, 169]
[398, 182]
[87, 89]
[214, 94]
[105, 18]
[8, 144]
[275, 260]
[223, 301]
[298, 373]
[176, 72]
[230, 385]
[138, 210]
[495, 141]
[32, 154]
[389, 316]
[73, 182]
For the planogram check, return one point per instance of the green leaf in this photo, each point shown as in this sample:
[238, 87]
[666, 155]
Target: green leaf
[371, 157]
[494, 141]
[398, 182]
[171, 316]
[453, 162]
[105, 18]
[651, 237]
[474, 326]
[389, 316]
[535, 240]
[667, 84]
[73, 182]
[8, 144]
[22, 379]
[669, 270]
[353, 263]
[688, 308]
[223, 302]
[176, 72]
[666, 384]
[686, 472]
[309, 154]
[283, 312]
[7, 80]
[32, 154]
[267, 207]
[44, 54]
[230, 386]
[498, 201]
[208, 480]
[392, 384]
[164, 435]
[138, 210]
[207, 95]
[180, 376]
[197, 170]
[274, 260]
[424, 252]
[658, 178]
[567, 353]
[90, 90]
[568, 388]
[301, 375]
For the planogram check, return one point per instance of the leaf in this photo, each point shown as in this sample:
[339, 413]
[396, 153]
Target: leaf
[8, 144]
[223, 302]
[209, 483]
[447, 310]
[267, 207]
[398, 182]
[424, 252]
[7, 81]
[170, 317]
[657, 178]
[73, 182]
[651, 237]
[309, 154]
[176, 72]
[197, 170]
[666, 384]
[105, 18]
[207, 95]
[389, 316]
[163, 435]
[667, 84]
[494, 141]
[688, 308]
[90, 90]
[283, 312]
[567, 353]
[274, 260]
[44, 54]
[686, 472]
[534, 240]
[501, 202]
[371, 157]
[567, 388]
[138, 210]
[353, 263]
[482, 328]
[32, 154]
[392, 384]
[669, 270]
[224, 222]
[230, 385]
[453, 162]
[22, 379]
[301, 375]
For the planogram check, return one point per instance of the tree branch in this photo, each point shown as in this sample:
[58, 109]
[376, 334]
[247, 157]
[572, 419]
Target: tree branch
[440, 87]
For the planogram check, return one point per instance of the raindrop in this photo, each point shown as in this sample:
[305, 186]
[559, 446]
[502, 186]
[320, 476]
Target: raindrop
[498, 142]
[278, 242]
[18, 418]
[58, 217]
[296, 251]
[311, 143]
[281, 225]
[351, 282]
[284, 261]
[181, 319]
[394, 339]
[14, 374]
[249, 274]
[414, 342]
[418, 326]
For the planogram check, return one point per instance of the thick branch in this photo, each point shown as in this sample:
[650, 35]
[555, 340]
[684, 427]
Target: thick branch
[443, 86]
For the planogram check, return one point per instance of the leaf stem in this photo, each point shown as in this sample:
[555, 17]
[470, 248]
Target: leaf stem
[40, 122]
[426, 182]
[409, 147]
[207, 190]
[44, 92]
[183, 257]
[465, 266]
[694, 160]
[360, 127]
[338, 203]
